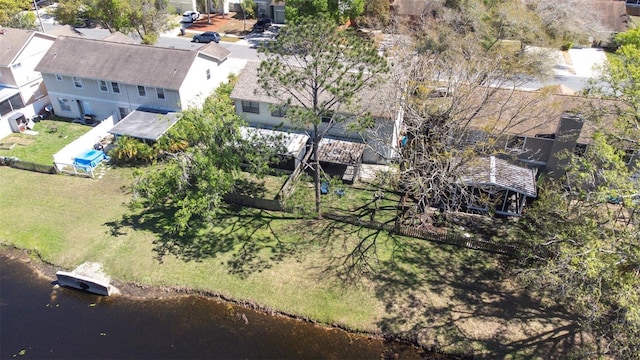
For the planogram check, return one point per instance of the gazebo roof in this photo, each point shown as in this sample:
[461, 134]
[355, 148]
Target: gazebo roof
[492, 171]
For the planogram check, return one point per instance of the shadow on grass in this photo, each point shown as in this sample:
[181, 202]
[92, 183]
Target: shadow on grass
[462, 301]
[246, 235]
[447, 298]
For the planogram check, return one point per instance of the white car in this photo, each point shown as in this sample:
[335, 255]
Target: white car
[190, 16]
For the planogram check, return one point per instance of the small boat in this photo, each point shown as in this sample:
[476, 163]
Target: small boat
[85, 283]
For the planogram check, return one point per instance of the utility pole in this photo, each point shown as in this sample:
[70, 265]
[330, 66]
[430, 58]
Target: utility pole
[35, 5]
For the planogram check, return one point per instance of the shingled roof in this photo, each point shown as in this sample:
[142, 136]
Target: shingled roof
[380, 101]
[126, 63]
[12, 41]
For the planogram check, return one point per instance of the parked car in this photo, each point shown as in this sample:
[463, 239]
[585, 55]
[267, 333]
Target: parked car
[206, 37]
[190, 16]
[262, 24]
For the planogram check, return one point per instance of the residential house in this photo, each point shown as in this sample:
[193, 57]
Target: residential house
[22, 93]
[99, 79]
[533, 127]
[376, 145]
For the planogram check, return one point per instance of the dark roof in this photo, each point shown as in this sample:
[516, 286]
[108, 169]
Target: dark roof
[145, 125]
[492, 171]
[527, 113]
[126, 63]
[381, 101]
[340, 152]
[12, 41]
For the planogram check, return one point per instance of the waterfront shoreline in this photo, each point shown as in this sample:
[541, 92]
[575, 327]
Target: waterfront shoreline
[140, 292]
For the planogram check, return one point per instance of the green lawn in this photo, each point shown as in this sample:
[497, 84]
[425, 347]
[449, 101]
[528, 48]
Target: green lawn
[452, 299]
[51, 137]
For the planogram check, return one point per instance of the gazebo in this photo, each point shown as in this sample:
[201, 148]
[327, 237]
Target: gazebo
[500, 184]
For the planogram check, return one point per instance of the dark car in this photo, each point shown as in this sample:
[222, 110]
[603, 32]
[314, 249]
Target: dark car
[262, 24]
[207, 37]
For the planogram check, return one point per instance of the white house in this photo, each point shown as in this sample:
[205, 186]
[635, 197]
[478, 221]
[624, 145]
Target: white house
[22, 93]
[97, 78]
[382, 103]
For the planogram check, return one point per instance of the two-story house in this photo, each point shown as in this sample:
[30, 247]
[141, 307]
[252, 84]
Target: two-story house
[99, 79]
[379, 142]
[22, 93]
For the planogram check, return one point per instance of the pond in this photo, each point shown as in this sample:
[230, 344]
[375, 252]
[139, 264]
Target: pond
[39, 320]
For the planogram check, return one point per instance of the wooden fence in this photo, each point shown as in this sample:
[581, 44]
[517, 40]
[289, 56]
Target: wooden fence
[468, 242]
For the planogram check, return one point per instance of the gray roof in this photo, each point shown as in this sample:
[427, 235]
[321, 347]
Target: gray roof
[119, 38]
[340, 152]
[126, 63]
[215, 51]
[492, 171]
[145, 125]
[380, 101]
[12, 41]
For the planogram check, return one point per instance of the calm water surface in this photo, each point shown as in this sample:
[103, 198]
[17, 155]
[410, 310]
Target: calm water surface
[38, 321]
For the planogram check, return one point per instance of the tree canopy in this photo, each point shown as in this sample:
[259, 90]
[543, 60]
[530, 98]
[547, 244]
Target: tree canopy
[147, 18]
[191, 183]
[583, 232]
[13, 13]
[316, 71]
[338, 10]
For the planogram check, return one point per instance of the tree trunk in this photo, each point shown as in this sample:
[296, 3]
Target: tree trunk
[316, 170]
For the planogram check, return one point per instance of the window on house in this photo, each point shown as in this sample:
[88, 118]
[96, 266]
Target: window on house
[160, 93]
[208, 74]
[115, 87]
[77, 82]
[278, 111]
[580, 149]
[17, 66]
[141, 91]
[64, 104]
[58, 77]
[250, 107]
[103, 86]
[516, 143]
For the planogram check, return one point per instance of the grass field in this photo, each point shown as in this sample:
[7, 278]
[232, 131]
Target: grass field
[451, 299]
[51, 137]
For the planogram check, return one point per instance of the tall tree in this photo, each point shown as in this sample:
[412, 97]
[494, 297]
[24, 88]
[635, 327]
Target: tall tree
[462, 102]
[620, 80]
[586, 224]
[248, 10]
[316, 72]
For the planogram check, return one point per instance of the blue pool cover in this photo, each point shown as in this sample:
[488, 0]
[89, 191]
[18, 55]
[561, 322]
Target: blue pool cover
[90, 158]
